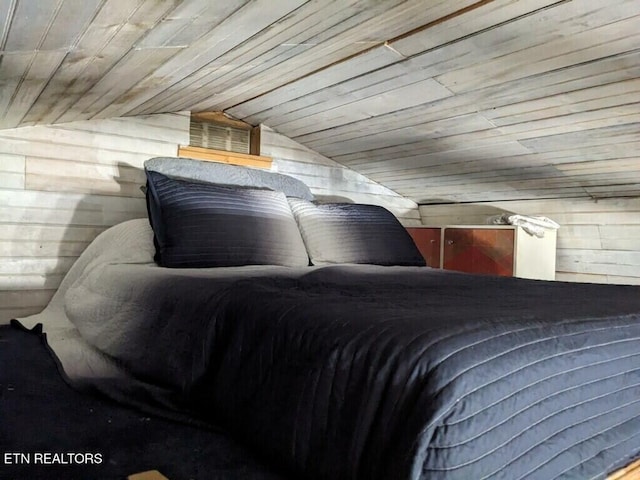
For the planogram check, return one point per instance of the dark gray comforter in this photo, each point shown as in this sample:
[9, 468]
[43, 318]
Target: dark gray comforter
[365, 372]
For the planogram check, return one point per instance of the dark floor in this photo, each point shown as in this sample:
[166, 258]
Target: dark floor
[48, 430]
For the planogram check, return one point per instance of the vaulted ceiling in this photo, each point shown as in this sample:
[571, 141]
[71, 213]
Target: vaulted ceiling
[439, 100]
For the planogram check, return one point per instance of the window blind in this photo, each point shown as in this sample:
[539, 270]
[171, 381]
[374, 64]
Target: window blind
[219, 137]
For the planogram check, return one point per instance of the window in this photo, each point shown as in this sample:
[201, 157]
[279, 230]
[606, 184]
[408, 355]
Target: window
[206, 134]
[217, 138]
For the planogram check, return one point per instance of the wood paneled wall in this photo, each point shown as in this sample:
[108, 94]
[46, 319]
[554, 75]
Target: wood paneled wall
[62, 185]
[599, 241]
[326, 178]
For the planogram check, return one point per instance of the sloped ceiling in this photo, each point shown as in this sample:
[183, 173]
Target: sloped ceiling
[439, 100]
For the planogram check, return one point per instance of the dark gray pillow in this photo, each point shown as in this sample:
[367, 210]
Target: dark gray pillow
[205, 225]
[354, 233]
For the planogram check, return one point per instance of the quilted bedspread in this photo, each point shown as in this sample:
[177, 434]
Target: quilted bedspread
[398, 373]
[364, 372]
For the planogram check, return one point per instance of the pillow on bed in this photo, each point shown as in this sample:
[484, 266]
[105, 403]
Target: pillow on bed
[354, 233]
[228, 175]
[207, 225]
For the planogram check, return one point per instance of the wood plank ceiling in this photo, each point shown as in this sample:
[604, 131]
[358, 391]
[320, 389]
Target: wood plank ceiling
[439, 100]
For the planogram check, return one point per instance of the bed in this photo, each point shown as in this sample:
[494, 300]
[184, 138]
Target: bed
[315, 333]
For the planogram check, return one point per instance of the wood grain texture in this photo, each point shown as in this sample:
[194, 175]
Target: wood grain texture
[630, 472]
[428, 242]
[489, 251]
[233, 158]
[399, 91]
[73, 182]
[147, 475]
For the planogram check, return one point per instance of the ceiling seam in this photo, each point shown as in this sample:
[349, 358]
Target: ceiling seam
[7, 25]
[35, 53]
[386, 43]
[560, 69]
[70, 48]
[199, 69]
[389, 43]
[106, 44]
[176, 4]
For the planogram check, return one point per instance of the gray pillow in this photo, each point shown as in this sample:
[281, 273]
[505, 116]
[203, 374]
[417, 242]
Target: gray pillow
[204, 225]
[231, 175]
[354, 233]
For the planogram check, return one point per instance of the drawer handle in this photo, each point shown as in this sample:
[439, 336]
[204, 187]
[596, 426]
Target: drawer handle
[449, 242]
